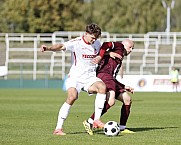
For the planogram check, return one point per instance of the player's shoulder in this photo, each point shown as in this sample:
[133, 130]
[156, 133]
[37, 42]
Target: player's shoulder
[118, 43]
[77, 39]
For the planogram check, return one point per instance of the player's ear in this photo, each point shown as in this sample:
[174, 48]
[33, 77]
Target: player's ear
[86, 33]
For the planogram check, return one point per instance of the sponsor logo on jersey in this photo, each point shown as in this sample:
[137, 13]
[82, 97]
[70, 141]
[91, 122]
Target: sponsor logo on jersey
[88, 56]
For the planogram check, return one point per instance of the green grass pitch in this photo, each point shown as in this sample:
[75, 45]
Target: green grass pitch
[28, 117]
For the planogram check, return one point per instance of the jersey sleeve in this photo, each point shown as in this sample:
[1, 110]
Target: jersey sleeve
[117, 44]
[105, 46]
[69, 45]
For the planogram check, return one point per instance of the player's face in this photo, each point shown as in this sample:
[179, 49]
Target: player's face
[129, 48]
[90, 38]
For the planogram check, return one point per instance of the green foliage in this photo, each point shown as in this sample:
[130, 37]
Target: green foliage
[28, 117]
[176, 19]
[55, 15]
[115, 16]
[130, 16]
[41, 16]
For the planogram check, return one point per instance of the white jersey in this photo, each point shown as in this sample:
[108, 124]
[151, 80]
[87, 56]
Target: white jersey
[82, 69]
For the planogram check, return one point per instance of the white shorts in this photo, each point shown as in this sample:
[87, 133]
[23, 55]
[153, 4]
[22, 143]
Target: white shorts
[79, 85]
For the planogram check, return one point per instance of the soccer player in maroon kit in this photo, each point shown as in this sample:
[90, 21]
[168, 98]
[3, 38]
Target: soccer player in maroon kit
[107, 71]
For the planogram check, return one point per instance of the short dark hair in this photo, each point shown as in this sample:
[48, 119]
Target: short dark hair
[93, 29]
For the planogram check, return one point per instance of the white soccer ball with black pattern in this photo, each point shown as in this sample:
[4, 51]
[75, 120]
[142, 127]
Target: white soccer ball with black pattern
[111, 128]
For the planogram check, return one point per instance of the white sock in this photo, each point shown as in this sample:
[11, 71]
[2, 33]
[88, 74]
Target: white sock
[99, 105]
[122, 127]
[63, 113]
[90, 120]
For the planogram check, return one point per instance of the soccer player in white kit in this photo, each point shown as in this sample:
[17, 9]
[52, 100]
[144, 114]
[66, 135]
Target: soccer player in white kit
[82, 75]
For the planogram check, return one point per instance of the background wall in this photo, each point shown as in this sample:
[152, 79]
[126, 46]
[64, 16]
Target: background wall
[148, 83]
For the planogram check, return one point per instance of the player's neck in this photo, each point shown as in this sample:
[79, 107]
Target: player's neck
[85, 40]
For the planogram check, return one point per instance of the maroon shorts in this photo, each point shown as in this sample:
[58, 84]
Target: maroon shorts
[112, 83]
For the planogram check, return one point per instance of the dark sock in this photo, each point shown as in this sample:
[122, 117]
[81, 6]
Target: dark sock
[125, 111]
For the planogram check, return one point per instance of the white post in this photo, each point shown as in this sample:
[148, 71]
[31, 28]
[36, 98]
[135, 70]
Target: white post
[168, 25]
[35, 59]
[168, 20]
[63, 64]
[168, 16]
[128, 64]
[7, 53]
[156, 56]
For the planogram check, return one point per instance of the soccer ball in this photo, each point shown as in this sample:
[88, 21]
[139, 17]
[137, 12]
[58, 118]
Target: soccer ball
[111, 128]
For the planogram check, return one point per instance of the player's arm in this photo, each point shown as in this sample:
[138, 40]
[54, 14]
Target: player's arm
[55, 47]
[121, 71]
[109, 46]
[113, 54]
[103, 51]
[104, 47]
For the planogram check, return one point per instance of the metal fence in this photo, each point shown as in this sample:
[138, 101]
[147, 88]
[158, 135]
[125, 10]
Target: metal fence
[154, 53]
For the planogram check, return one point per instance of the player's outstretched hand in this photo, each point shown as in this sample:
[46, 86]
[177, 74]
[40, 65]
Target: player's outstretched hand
[129, 89]
[96, 59]
[43, 48]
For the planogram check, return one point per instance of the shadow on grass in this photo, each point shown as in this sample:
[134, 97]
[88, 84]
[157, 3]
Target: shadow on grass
[100, 131]
[82, 132]
[149, 128]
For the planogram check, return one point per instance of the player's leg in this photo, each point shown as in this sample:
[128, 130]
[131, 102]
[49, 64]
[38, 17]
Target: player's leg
[88, 124]
[125, 98]
[110, 96]
[95, 85]
[64, 110]
[176, 86]
[110, 101]
[125, 109]
[110, 85]
[100, 88]
[173, 86]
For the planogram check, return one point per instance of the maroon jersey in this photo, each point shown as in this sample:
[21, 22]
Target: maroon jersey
[109, 67]
[108, 64]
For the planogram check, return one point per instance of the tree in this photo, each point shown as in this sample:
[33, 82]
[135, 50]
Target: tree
[176, 17]
[41, 16]
[115, 16]
[129, 16]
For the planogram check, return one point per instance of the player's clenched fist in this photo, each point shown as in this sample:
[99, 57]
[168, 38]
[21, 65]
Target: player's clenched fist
[43, 48]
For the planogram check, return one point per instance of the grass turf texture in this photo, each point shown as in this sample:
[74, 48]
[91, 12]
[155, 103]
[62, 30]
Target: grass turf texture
[28, 117]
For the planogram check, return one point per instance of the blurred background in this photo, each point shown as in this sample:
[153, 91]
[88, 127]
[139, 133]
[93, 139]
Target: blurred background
[154, 26]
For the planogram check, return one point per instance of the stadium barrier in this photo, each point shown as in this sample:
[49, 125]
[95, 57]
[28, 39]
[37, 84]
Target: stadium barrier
[149, 83]
[140, 83]
[3, 71]
[154, 53]
[20, 83]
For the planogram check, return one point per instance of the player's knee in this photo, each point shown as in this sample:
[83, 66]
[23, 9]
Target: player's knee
[130, 102]
[71, 99]
[101, 88]
[111, 102]
[72, 95]
[127, 99]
